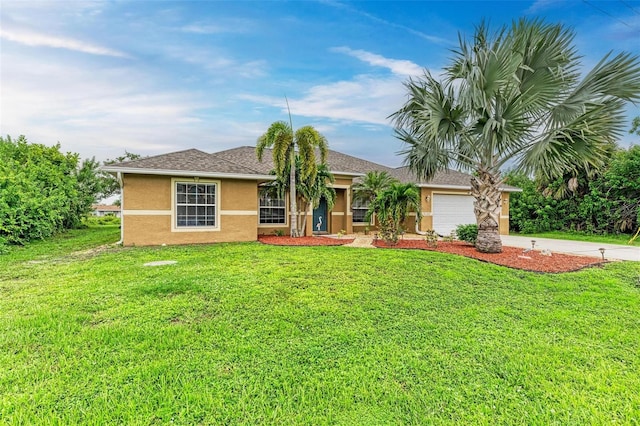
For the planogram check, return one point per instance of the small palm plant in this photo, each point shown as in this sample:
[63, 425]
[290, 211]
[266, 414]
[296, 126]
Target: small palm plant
[371, 185]
[392, 206]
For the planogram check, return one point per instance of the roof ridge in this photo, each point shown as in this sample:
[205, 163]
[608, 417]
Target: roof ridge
[156, 156]
[233, 162]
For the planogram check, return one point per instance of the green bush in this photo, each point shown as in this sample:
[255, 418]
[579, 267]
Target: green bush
[108, 219]
[42, 190]
[468, 233]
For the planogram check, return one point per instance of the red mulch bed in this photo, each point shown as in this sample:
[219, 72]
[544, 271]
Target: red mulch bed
[303, 241]
[511, 257]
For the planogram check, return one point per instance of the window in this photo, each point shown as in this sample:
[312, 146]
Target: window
[359, 209]
[272, 209]
[195, 204]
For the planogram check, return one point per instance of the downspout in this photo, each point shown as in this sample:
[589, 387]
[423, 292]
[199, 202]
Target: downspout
[418, 231]
[121, 183]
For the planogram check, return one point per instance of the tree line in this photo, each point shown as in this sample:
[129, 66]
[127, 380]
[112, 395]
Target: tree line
[602, 201]
[44, 191]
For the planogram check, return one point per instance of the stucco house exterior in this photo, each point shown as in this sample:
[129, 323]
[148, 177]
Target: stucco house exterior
[191, 196]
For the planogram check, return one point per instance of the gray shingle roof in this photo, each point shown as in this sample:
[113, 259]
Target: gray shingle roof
[337, 161]
[191, 160]
[446, 177]
[243, 161]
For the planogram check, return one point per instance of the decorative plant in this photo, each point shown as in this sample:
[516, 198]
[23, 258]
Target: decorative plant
[392, 207]
[432, 238]
[468, 233]
[451, 237]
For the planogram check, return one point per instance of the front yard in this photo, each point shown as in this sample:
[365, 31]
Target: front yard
[249, 334]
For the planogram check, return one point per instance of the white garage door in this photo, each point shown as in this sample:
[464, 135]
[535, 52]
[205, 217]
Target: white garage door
[449, 211]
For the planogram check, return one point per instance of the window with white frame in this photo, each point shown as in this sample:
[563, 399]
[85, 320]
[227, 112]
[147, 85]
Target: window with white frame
[195, 204]
[272, 209]
[359, 210]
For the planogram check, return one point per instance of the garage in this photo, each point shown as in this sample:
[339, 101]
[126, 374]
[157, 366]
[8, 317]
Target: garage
[451, 210]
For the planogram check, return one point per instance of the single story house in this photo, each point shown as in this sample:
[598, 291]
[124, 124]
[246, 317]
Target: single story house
[104, 210]
[194, 197]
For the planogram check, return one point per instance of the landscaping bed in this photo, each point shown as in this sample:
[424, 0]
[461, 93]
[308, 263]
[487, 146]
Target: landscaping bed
[511, 257]
[303, 241]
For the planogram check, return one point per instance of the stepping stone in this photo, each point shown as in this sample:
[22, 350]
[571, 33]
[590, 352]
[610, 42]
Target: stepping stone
[161, 263]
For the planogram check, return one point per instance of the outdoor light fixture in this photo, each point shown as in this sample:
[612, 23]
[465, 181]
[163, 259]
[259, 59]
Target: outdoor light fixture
[602, 252]
[533, 244]
[428, 198]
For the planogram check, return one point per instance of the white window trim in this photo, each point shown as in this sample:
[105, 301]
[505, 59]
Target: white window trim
[287, 214]
[174, 227]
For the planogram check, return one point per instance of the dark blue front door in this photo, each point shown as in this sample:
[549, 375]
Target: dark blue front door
[320, 217]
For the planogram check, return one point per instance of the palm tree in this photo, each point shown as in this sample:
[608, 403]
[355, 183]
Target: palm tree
[372, 183]
[392, 206]
[312, 190]
[284, 141]
[309, 191]
[515, 97]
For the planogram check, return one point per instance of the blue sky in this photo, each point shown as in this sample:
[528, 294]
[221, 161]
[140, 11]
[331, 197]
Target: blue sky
[151, 77]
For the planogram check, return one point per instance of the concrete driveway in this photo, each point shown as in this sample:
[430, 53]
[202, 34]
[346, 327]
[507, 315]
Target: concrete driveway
[581, 248]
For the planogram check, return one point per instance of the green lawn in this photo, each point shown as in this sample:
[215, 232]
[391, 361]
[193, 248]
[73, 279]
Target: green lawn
[581, 236]
[251, 334]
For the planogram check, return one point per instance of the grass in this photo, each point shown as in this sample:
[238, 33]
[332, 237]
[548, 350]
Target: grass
[253, 334]
[581, 236]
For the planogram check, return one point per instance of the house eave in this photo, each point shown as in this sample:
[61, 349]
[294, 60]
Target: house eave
[347, 173]
[461, 187]
[165, 172]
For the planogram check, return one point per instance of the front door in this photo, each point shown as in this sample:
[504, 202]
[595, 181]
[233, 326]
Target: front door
[320, 217]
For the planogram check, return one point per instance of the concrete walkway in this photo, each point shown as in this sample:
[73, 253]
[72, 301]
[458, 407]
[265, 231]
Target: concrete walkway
[361, 241]
[580, 248]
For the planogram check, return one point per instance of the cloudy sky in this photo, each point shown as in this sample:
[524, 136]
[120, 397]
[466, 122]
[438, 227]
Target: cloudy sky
[150, 77]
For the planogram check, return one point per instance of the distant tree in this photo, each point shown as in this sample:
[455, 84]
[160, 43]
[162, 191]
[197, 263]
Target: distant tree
[515, 97]
[110, 185]
[288, 148]
[392, 207]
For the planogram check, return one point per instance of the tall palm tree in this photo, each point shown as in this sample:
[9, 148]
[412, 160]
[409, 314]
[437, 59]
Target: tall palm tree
[515, 97]
[371, 184]
[392, 206]
[306, 140]
[312, 190]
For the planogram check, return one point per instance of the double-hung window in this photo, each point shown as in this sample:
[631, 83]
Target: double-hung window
[272, 209]
[195, 204]
[359, 210]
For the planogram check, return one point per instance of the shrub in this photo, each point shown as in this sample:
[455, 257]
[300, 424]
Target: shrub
[432, 238]
[468, 233]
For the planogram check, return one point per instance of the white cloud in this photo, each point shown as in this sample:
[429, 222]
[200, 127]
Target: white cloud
[34, 39]
[99, 112]
[540, 5]
[233, 26]
[347, 7]
[397, 66]
[364, 100]
[216, 62]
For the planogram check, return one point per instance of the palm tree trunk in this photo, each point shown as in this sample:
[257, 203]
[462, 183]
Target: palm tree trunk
[292, 195]
[303, 219]
[485, 188]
